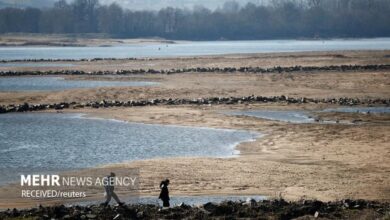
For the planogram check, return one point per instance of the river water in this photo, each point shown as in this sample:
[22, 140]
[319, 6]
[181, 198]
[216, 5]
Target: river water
[278, 115]
[192, 48]
[299, 116]
[49, 142]
[35, 64]
[45, 83]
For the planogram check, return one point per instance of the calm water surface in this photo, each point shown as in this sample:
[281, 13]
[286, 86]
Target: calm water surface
[35, 64]
[45, 83]
[44, 142]
[304, 116]
[278, 115]
[363, 110]
[192, 49]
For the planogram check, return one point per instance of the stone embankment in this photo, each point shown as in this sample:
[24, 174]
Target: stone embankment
[342, 68]
[200, 101]
[251, 209]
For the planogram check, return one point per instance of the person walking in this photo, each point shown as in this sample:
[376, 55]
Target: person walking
[109, 183]
[164, 194]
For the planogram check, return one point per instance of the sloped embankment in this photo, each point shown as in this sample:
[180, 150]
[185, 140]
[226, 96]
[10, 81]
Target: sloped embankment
[277, 209]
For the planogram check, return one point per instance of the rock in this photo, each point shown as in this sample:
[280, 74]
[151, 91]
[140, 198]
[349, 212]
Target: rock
[140, 214]
[23, 108]
[210, 207]
[184, 206]
[276, 209]
[76, 212]
[250, 202]
[15, 213]
[3, 110]
[200, 101]
[91, 216]
[198, 69]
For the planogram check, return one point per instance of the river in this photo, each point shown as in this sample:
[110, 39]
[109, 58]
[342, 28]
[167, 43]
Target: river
[194, 48]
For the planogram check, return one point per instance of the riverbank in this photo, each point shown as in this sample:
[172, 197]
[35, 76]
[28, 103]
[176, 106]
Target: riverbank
[295, 161]
[262, 60]
[276, 209]
[194, 86]
[72, 40]
[314, 82]
[345, 101]
[306, 160]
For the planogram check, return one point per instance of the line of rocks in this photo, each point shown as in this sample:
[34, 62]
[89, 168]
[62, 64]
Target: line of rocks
[278, 69]
[200, 101]
[274, 209]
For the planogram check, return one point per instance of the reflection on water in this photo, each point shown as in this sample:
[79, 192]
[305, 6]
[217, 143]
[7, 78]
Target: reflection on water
[192, 49]
[52, 142]
[45, 83]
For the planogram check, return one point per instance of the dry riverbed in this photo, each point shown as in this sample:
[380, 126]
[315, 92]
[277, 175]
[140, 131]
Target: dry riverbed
[264, 60]
[293, 161]
[202, 85]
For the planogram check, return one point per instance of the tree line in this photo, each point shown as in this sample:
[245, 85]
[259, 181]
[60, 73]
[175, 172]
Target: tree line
[278, 19]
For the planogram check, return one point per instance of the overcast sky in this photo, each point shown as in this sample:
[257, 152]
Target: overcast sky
[133, 4]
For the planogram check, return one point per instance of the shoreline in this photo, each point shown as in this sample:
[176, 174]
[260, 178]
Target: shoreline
[345, 101]
[339, 54]
[250, 152]
[93, 199]
[264, 61]
[226, 70]
[103, 40]
[74, 40]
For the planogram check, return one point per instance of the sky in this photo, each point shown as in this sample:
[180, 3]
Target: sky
[133, 4]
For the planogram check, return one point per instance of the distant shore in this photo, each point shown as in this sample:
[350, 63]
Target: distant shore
[105, 40]
[75, 40]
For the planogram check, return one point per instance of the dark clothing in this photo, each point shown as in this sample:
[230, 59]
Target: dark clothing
[108, 183]
[166, 203]
[164, 195]
[109, 188]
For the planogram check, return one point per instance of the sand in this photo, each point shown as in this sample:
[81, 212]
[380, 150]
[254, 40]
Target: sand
[75, 40]
[195, 85]
[264, 60]
[359, 84]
